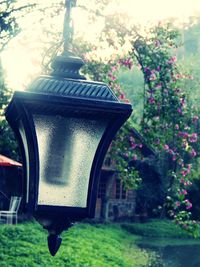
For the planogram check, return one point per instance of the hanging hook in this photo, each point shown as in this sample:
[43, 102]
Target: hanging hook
[68, 29]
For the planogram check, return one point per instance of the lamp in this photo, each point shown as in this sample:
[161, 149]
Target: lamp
[64, 125]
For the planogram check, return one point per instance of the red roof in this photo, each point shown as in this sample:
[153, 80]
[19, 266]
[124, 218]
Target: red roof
[4, 161]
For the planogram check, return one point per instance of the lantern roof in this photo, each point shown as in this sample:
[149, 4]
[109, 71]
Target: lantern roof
[60, 86]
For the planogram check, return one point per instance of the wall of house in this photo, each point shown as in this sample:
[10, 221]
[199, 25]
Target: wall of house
[113, 202]
[122, 207]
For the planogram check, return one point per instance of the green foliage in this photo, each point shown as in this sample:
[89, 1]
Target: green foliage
[121, 153]
[168, 123]
[83, 245]
[8, 144]
[9, 15]
[132, 82]
[156, 228]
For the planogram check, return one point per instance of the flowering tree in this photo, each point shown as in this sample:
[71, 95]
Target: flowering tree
[168, 123]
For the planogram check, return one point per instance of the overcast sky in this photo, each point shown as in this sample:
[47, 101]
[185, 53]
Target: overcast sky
[140, 11]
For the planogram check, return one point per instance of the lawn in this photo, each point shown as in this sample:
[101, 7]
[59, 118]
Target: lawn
[157, 228]
[83, 245]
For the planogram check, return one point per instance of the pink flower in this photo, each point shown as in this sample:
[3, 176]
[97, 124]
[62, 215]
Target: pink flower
[147, 71]
[193, 138]
[133, 145]
[111, 76]
[172, 60]
[114, 68]
[122, 96]
[127, 63]
[184, 173]
[179, 110]
[187, 170]
[159, 86]
[183, 134]
[188, 204]
[176, 126]
[182, 101]
[171, 151]
[152, 77]
[189, 166]
[195, 119]
[134, 157]
[151, 100]
[187, 183]
[177, 203]
[174, 157]
[193, 153]
[158, 68]
[166, 147]
[183, 192]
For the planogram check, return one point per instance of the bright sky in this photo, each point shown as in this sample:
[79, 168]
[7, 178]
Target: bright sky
[21, 60]
[144, 10]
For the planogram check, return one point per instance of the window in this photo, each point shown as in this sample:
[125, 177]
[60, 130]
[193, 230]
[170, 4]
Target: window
[120, 191]
[118, 188]
[102, 189]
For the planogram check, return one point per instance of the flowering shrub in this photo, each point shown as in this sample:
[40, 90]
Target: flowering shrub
[167, 123]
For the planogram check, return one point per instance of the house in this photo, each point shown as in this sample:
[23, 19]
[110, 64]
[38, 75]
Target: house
[113, 201]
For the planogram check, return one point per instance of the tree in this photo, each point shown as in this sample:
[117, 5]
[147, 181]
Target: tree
[168, 124]
[8, 29]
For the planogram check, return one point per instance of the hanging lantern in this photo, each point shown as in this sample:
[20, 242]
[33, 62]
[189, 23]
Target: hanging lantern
[64, 125]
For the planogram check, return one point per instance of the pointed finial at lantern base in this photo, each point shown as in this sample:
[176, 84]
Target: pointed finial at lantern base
[54, 242]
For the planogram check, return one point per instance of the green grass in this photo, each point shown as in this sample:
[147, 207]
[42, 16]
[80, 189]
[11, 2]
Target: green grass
[84, 245]
[157, 229]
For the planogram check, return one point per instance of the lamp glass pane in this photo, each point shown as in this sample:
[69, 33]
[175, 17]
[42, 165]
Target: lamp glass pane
[66, 151]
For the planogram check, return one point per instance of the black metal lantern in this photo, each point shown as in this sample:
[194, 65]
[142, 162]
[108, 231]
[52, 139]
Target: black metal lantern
[64, 125]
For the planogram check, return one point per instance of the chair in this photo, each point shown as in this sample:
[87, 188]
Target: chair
[10, 216]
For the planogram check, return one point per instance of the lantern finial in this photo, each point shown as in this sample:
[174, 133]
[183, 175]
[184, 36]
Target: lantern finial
[54, 242]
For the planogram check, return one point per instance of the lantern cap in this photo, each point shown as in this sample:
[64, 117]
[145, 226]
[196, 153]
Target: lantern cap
[67, 65]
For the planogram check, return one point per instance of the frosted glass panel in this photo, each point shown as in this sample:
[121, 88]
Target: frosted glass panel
[66, 150]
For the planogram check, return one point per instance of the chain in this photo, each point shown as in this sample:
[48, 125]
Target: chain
[68, 29]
